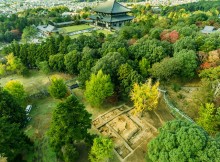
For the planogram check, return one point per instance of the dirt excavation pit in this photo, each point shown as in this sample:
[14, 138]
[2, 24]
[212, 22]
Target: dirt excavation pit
[126, 128]
[123, 151]
[98, 122]
[126, 131]
[110, 115]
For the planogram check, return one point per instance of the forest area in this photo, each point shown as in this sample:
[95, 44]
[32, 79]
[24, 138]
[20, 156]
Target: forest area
[160, 49]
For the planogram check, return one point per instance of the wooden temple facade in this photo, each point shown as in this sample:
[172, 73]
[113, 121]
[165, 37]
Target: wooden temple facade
[110, 14]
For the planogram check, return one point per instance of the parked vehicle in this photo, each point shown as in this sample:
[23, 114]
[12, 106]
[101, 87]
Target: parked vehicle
[28, 109]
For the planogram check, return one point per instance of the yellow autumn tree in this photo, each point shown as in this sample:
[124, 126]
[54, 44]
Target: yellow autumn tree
[14, 64]
[16, 89]
[145, 96]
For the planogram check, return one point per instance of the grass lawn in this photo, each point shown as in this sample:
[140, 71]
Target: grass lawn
[185, 96]
[35, 82]
[74, 28]
[41, 114]
[106, 32]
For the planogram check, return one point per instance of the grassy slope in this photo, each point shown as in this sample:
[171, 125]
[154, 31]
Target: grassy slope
[33, 83]
[186, 99]
[36, 129]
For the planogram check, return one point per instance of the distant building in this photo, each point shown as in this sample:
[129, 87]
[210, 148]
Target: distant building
[208, 29]
[62, 24]
[110, 14]
[65, 14]
[47, 29]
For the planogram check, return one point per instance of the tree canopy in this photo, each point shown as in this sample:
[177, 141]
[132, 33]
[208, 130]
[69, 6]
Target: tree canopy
[13, 140]
[183, 141]
[16, 89]
[109, 64]
[145, 96]
[101, 150]
[58, 88]
[70, 124]
[98, 88]
[12, 121]
[209, 117]
[10, 109]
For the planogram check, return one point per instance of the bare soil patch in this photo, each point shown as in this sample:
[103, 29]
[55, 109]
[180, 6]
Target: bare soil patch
[130, 133]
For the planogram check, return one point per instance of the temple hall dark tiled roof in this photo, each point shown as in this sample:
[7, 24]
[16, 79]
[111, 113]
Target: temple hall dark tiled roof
[112, 19]
[111, 6]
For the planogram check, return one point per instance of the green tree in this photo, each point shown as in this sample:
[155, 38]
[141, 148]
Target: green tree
[166, 69]
[28, 33]
[10, 108]
[98, 88]
[187, 43]
[211, 74]
[189, 63]
[89, 58]
[127, 77]
[153, 50]
[13, 140]
[109, 64]
[14, 64]
[16, 89]
[69, 152]
[71, 61]
[145, 96]
[58, 88]
[184, 63]
[112, 45]
[210, 78]
[9, 36]
[182, 141]
[70, 124]
[64, 44]
[186, 31]
[101, 150]
[56, 62]
[208, 117]
[144, 66]
[155, 33]
[44, 67]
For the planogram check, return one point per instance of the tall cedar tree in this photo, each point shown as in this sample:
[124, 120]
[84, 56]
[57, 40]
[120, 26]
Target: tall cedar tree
[13, 140]
[70, 124]
[10, 108]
